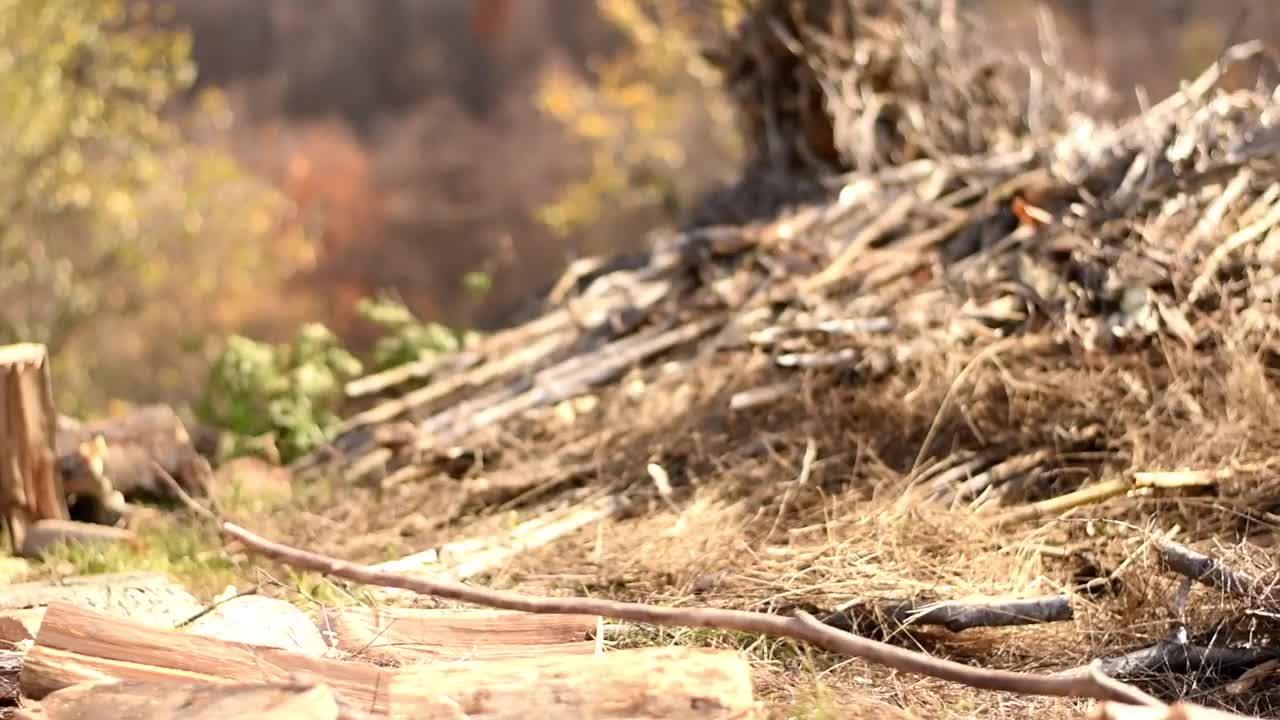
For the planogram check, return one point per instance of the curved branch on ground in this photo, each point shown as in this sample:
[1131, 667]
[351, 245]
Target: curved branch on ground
[802, 626]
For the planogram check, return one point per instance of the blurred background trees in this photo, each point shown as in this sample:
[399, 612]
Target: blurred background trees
[182, 171]
[123, 246]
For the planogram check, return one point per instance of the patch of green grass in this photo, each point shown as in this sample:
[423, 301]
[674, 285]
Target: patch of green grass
[313, 589]
[192, 555]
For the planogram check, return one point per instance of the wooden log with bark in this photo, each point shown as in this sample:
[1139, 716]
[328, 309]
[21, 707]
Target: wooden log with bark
[137, 441]
[76, 646]
[30, 488]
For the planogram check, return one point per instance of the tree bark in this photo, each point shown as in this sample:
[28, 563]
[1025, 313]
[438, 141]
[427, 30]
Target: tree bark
[30, 488]
[151, 434]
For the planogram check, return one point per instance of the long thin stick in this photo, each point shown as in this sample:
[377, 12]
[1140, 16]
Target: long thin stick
[802, 626]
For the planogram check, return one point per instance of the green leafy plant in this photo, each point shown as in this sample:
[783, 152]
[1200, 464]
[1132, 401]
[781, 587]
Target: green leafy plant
[289, 394]
[653, 117]
[407, 339]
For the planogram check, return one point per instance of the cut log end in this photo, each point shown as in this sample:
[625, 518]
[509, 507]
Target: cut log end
[30, 488]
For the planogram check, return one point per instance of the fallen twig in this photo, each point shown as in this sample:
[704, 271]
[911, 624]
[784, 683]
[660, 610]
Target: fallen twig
[182, 495]
[802, 626]
[253, 590]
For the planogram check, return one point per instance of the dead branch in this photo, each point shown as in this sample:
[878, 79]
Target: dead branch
[802, 626]
[1210, 571]
[1104, 491]
[957, 616]
[1178, 658]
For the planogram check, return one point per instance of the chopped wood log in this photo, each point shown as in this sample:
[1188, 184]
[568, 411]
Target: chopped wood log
[46, 534]
[261, 620]
[158, 701]
[417, 370]
[673, 683]
[410, 635]
[19, 626]
[755, 397]
[76, 645]
[148, 598]
[30, 488]
[134, 444]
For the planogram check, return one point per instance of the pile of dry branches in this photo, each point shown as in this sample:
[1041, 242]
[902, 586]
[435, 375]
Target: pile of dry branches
[1011, 328]
[862, 85]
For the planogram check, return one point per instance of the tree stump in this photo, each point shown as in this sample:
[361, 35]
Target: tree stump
[30, 486]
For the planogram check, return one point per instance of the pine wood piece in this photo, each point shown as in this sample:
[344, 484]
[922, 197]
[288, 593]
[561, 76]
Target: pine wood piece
[76, 646]
[17, 626]
[671, 683]
[30, 488]
[261, 620]
[152, 701]
[413, 635]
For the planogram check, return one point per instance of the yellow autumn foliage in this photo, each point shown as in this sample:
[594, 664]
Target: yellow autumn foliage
[123, 246]
[652, 115]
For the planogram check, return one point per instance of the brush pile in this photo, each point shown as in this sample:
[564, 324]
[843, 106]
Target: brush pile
[1015, 350]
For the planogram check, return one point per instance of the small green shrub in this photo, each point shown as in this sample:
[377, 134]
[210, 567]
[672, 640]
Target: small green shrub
[407, 339]
[290, 393]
